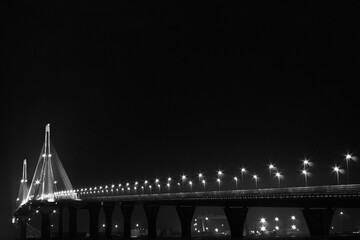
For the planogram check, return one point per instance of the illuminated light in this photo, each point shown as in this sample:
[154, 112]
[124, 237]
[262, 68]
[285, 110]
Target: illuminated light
[178, 184]
[137, 225]
[336, 169]
[142, 187]
[100, 187]
[276, 219]
[198, 231]
[278, 174]
[216, 230]
[293, 227]
[112, 186]
[128, 188]
[136, 183]
[44, 155]
[271, 166]
[243, 170]
[52, 225]
[220, 173]
[255, 176]
[183, 177]
[49, 155]
[119, 185]
[18, 199]
[190, 182]
[156, 180]
[195, 224]
[116, 226]
[13, 220]
[262, 228]
[103, 225]
[262, 220]
[348, 156]
[195, 229]
[54, 211]
[95, 188]
[106, 187]
[304, 172]
[218, 180]
[37, 182]
[158, 185]
[135, 188]
[277, 227]
[195, 219]
[293, 217]
[341, 213]
[235, 178]
[306, 162]
[207, 228]
[206, 218]
[146, 181]
[150, 186]
[169, 179]
[203, 181]
[168, 185]
[127, 184]
[200, 175]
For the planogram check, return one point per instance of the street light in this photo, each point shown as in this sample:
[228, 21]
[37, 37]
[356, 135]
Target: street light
[236, 181]
[305, 163]
[190, 183]
[183, 179]
[243, 171]
[204, 183]
[255, 178]
[348, 157]
[336, 169]
[271, 167]
[305, 173]
[200, 175]
[219, 173]
[219, 181]
[278, 175]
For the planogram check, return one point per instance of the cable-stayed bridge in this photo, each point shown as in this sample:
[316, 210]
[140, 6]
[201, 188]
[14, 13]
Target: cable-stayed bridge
[51, 189]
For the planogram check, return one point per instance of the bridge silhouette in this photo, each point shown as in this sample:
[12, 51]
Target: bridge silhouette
[45, 195]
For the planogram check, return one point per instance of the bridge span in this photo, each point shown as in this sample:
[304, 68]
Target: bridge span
[317, 203]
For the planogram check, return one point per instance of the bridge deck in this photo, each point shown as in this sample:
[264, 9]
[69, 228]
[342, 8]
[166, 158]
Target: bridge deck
[292, 195]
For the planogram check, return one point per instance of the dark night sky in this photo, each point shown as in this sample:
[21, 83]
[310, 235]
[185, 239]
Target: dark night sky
[136, 90]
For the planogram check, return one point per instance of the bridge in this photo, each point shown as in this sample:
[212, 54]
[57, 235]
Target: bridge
[51, 190]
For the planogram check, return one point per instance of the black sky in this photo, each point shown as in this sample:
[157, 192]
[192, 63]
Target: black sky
[135, 89]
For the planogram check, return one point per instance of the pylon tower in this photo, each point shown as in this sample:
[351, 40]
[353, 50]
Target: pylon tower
[50, 176]
[24, 188]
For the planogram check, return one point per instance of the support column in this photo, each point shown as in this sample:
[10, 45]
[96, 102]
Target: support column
[127, 212]
[22, 223]
[318, 222]
[185, 214]
[94, 210]
[108, 210]
[72, 222]
[45, 222]
[151, 212]
[61, 228]
[236, 217]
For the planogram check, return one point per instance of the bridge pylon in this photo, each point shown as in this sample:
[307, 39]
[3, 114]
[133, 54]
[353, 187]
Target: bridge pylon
[50, 176]
[24, 188]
